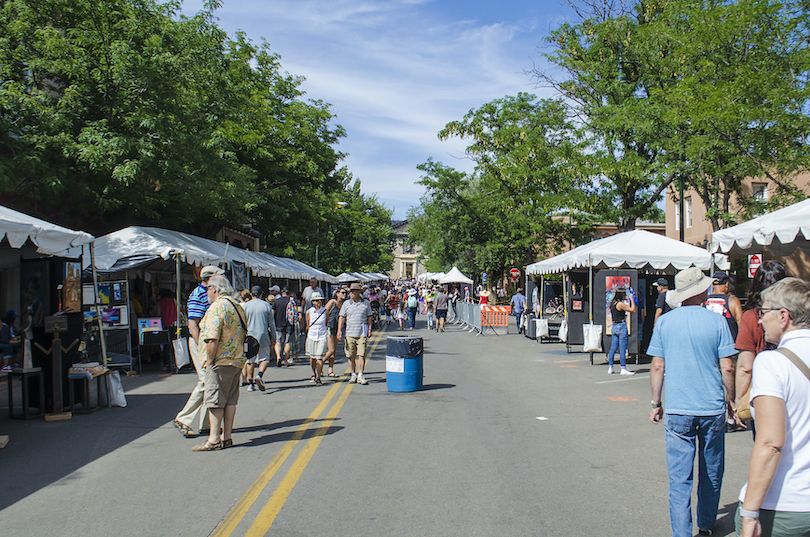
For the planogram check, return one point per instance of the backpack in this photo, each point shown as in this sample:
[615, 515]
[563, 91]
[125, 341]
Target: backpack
[412, 302]
[292, 312]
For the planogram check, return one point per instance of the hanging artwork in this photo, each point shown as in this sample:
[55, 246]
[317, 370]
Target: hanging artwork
[612, 284]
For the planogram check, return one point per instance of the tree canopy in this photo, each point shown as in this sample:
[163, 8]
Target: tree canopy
[122, 112]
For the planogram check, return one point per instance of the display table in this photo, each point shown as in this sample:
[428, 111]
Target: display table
[86, 376]
[26, 375]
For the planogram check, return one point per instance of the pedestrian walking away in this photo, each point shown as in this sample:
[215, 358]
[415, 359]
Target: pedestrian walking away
[355, 323]
[285, 330]
[222, 331]
[413, 304]
[261, 325]
[440, 304]
[776, 499]
[193, 418]
[692, 345]
[518, 306]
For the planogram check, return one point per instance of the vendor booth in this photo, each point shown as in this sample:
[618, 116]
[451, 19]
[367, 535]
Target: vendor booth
[593, 272]
[145, 264]
[40, 279]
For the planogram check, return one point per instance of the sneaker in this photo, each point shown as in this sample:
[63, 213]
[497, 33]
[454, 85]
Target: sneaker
[610, 370]
[353, 379]
[362, 380]
[259, 383]
[251, 388]
[627, 373]
[704, 532]
[7, 368]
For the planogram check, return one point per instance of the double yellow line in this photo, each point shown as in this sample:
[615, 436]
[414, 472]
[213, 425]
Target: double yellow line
[267, 515]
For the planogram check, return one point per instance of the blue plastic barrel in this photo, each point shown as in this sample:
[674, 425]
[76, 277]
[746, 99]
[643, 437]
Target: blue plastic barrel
[403, 364]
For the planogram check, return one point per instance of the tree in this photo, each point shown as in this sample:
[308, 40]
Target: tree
[517, 202]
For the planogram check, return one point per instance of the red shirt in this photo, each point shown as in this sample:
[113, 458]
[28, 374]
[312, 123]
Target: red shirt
[751, 337]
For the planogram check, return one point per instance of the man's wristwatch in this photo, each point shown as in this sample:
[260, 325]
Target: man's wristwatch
[749, 514]
[656, 405]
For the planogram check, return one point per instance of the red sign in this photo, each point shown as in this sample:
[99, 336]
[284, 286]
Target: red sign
[754, 261]
[515, 274]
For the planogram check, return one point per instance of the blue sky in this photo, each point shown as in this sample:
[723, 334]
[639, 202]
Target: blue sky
[397, 71]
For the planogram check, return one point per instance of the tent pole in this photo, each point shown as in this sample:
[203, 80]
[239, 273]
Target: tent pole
[178, 255]
[102, 339]
[590, 291]
[542, 302]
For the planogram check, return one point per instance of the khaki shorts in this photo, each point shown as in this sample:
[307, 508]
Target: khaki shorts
[222, 386]
[356, 346]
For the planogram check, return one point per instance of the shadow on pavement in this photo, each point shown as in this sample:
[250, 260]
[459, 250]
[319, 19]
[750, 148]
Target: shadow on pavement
[284, 437]
[41, 453]
[725, 523]
[427, 387]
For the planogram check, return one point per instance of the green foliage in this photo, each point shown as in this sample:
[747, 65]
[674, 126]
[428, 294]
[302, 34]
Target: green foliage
[710, 92]
[514, 206]
[121, 112]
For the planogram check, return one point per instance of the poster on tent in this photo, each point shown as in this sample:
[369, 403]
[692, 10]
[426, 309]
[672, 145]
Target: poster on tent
[240, 280]
[612, 284]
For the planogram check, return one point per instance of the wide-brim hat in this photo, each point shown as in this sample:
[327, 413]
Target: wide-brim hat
[211, 270]
[485, 293]
[412, 291]
[356, 286]
[316, 296]
[688, 283]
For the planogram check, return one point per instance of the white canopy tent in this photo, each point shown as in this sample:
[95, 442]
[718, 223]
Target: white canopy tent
[136, 245]
[455, 276]
[49, 238]
[430, 276]
[636, 249]
[780, 232]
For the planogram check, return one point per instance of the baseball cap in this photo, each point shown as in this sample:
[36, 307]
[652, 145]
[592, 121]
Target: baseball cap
[661, 282]
[256, 290]
[721, 277]
[209, 271]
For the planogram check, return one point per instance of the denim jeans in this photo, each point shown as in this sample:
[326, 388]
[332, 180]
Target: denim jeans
[684, 436]
[618, 341]
[411, 317]
[517, 320]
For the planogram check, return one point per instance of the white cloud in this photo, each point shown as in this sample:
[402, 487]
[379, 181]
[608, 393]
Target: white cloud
[395, 73]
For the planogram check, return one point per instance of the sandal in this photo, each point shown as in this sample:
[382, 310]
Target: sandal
[333, 375]
[207, 446]
[318, 382]
[184, 429]
[227, 443]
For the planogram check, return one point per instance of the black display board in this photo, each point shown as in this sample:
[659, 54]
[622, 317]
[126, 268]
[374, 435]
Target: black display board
[604, 284]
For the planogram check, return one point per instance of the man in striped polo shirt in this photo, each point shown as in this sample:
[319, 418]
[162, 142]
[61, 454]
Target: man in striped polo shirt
[354, 322]
[197, 306]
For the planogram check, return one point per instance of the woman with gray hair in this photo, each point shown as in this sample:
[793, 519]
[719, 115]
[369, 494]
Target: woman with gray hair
[776, 499]
[222, 331]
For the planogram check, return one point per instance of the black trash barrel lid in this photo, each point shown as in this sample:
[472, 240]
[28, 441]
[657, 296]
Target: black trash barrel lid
[405, 346]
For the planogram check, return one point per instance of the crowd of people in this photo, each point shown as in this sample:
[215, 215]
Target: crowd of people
[235, 336]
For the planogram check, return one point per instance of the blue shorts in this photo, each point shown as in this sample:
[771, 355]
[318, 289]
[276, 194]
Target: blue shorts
[285, 335]
[441, 314]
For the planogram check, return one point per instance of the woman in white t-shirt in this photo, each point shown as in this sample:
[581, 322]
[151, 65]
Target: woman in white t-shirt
[316, 336]
[776, 499]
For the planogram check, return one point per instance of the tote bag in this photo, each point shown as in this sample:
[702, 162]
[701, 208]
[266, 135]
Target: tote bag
[592, 334]
[563, 334]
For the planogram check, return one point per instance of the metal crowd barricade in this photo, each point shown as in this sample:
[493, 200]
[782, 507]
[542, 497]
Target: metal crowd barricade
[468, 315]
[495, 316]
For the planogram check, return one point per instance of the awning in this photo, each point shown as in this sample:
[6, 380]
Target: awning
[780, 232]
[636, 249]
[49, 238]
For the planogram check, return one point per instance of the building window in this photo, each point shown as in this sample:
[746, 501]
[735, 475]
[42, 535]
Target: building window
[409, 270]
[687, 207]
[677, 216]
[759, 191]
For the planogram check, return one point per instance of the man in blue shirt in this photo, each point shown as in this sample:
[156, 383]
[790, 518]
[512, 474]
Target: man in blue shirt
[194, 412]
[694, 346]
[518, 306]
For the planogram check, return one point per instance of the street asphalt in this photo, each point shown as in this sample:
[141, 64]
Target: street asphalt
[509, 437]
